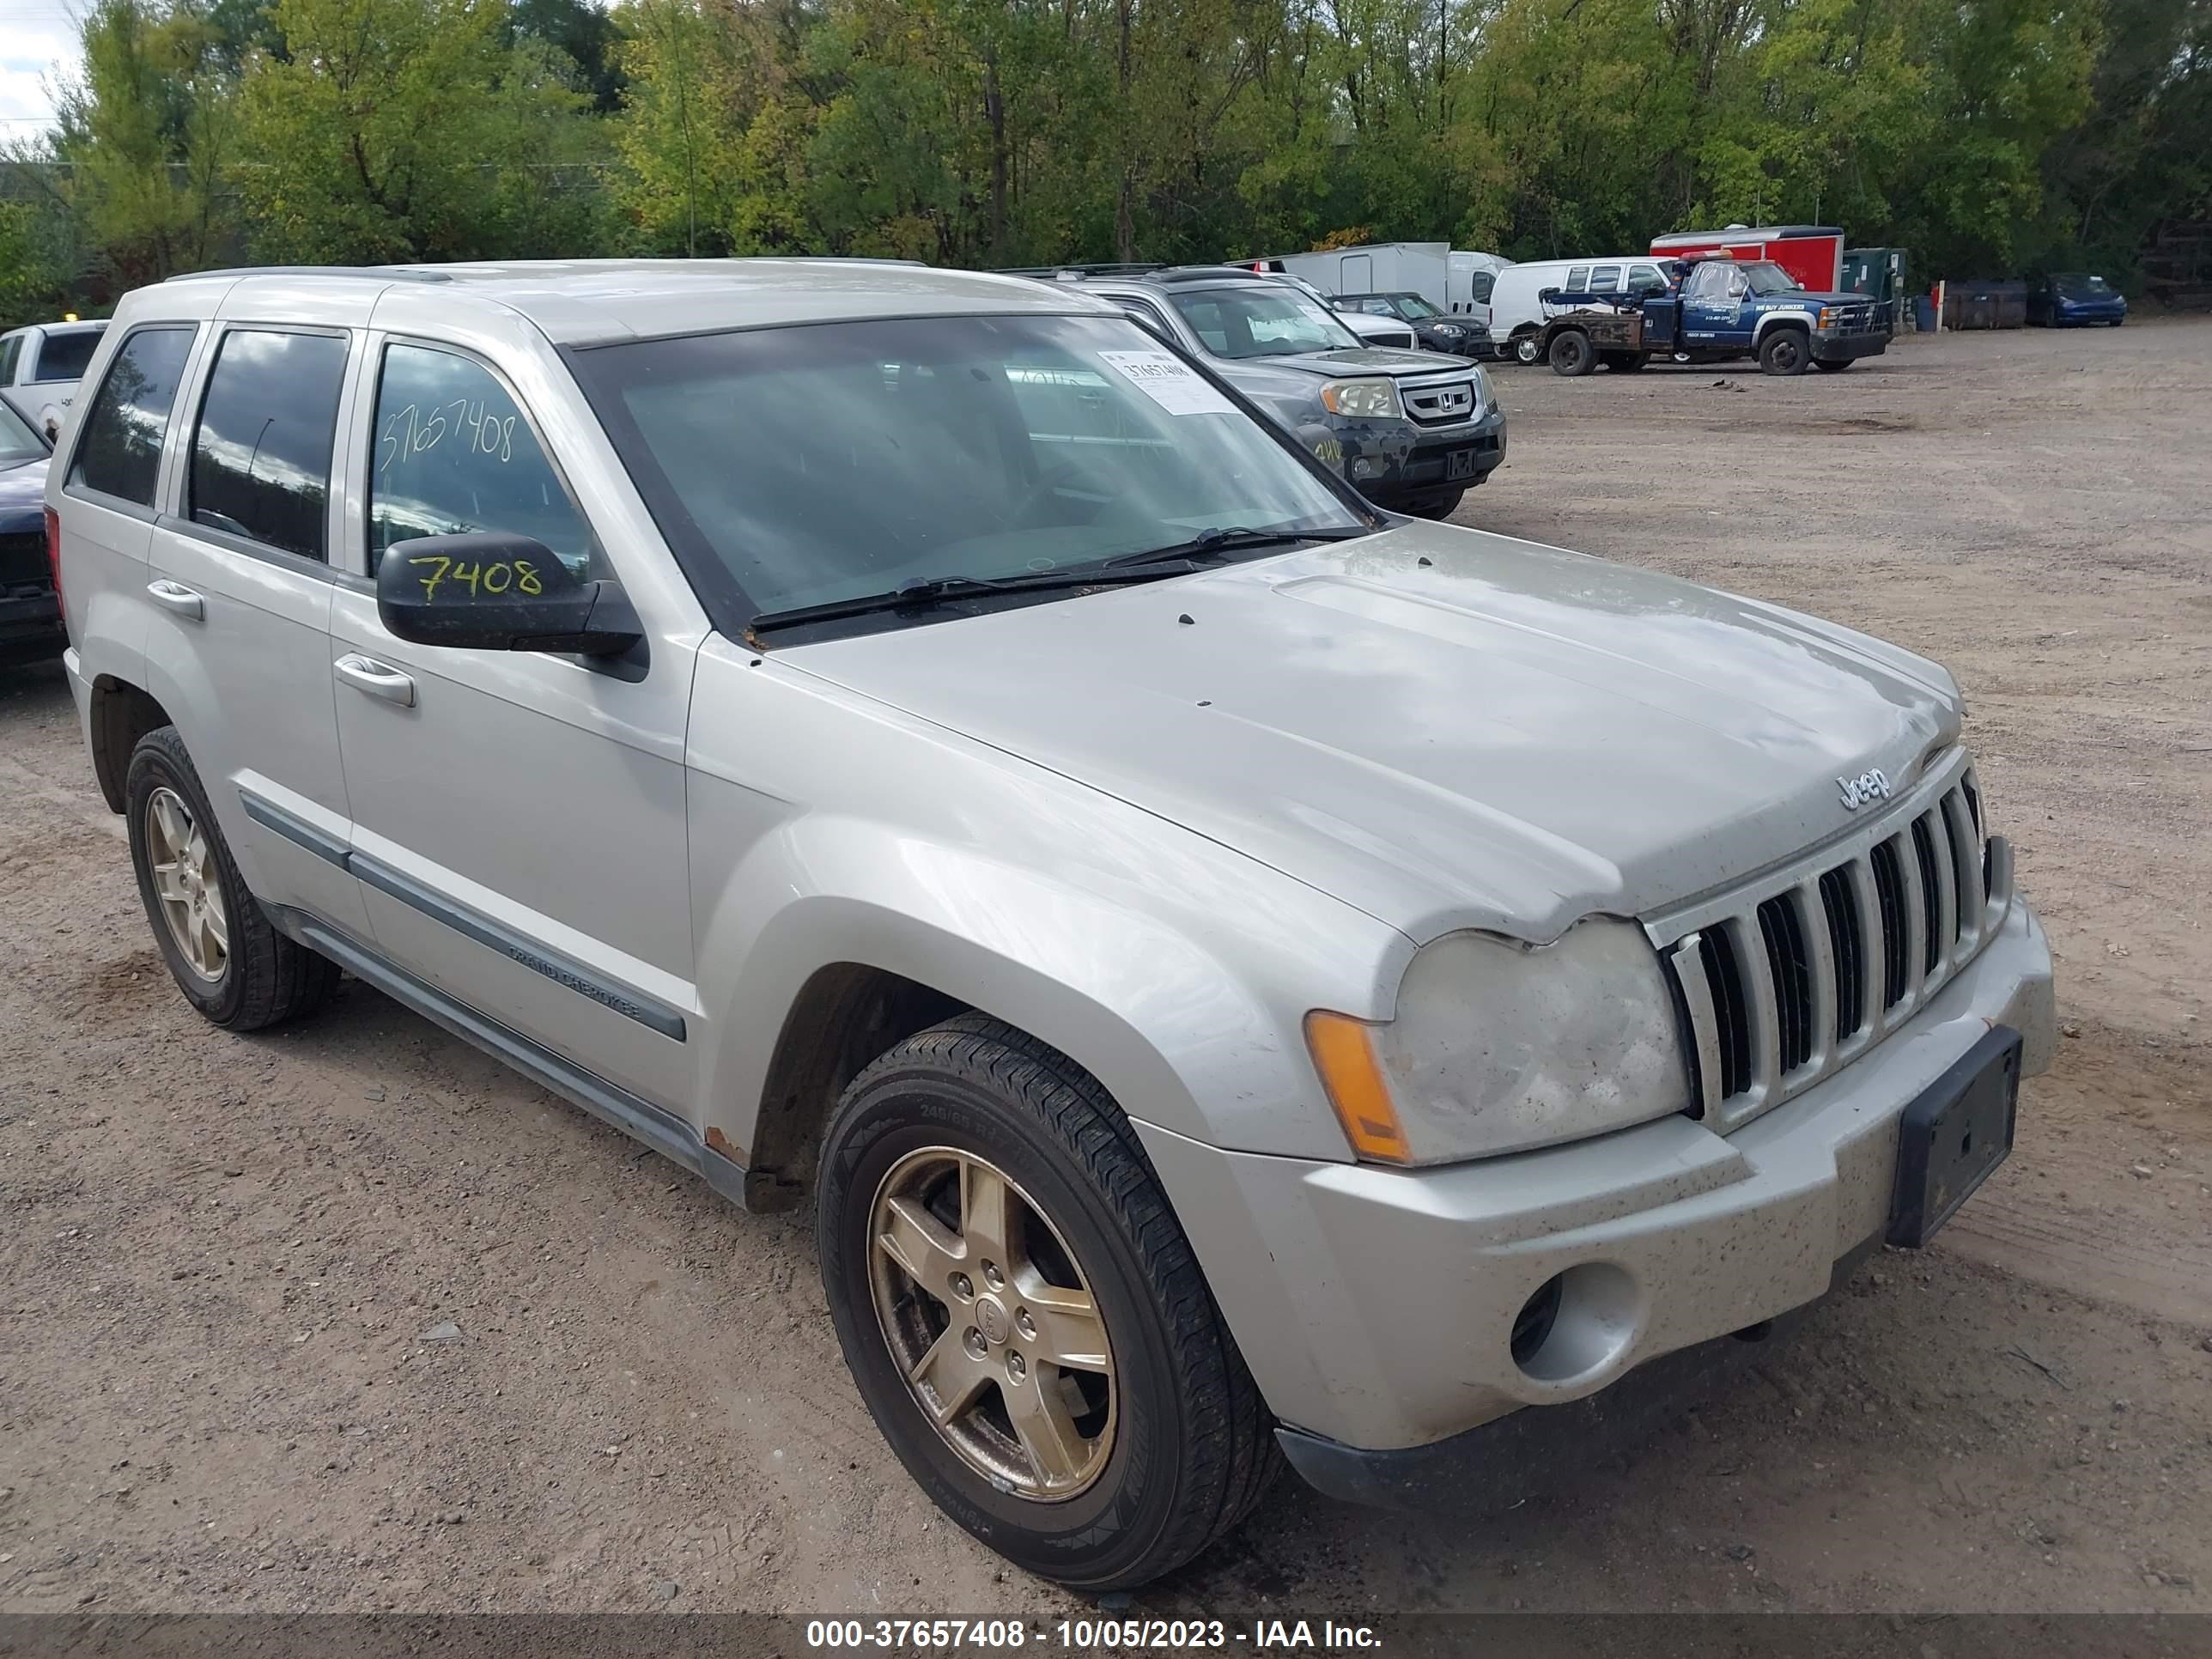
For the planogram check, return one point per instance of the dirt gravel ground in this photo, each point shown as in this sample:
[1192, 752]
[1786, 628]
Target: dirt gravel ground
[227, 1261]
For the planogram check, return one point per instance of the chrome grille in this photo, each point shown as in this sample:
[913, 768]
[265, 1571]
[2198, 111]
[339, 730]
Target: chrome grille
[1441, 404]
[1798, 975]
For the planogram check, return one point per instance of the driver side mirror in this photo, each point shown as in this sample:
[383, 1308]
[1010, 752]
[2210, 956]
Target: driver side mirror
[490, 591]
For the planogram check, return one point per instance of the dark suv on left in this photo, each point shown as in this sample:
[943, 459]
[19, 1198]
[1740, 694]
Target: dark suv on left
[1413, 431]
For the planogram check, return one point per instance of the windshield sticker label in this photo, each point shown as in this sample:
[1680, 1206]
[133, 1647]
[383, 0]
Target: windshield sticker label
[1168, 381]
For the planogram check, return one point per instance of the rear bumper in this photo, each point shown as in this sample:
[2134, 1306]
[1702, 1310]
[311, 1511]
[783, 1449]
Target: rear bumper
[1376, 1306]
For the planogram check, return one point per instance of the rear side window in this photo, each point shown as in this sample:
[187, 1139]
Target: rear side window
[1605, 279]
[261, 457]
[10, 349]
[65, 356]
[453, 454]
[120, 452]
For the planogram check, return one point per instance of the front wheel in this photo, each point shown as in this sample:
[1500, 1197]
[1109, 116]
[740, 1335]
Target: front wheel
[1023, 1317]
[1785, 351]
[1833, 365]
[1436, 507]
[1572, 353]
[1528, 349]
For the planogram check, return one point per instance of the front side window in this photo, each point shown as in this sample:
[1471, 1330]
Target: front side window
[1646, 279]
[10, 349]
[1261, 322]
[802, 465]
[1479, 285]
[120, 452]
[66, 357]
[261, 456]
[454, 453]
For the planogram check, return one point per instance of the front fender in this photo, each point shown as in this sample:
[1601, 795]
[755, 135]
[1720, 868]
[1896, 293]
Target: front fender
[1772, 319]
[1177, 972]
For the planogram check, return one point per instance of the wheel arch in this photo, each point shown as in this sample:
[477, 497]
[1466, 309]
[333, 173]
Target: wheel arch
[119, 715]
[1774, 319]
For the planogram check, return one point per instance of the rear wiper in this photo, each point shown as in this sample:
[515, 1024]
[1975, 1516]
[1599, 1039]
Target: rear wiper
[1233, 539]
[932, 590]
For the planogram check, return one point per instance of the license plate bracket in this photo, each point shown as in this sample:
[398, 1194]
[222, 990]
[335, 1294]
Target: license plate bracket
[1953, 1135]
[1460, 464]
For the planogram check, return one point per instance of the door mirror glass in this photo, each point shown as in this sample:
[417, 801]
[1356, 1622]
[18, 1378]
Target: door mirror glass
[496, 591]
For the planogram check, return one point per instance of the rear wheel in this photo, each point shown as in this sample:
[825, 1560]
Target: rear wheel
[1023, 1317]
[1785, 351]
[1572, 353]
[231, 964]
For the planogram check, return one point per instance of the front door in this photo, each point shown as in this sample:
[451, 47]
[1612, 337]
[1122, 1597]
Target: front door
[519, 817]
[1712, 305]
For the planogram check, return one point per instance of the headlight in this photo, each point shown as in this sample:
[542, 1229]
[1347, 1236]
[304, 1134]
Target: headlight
[1368, 398]
[1827, 319]
[1451, 330]
[1497, 1047]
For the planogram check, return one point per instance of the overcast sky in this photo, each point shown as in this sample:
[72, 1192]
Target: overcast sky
[34, 36]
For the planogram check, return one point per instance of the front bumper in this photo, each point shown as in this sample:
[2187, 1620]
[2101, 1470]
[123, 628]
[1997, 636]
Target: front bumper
[1415, 471]
[1833, 345]
[1375, 1306]
[31, 624]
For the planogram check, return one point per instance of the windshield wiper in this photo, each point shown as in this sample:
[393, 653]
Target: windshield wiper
[933, 590]
[1234, 538]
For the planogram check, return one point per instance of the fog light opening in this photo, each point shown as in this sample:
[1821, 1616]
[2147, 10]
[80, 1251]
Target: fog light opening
[1577, 1323]
[1532, 1324]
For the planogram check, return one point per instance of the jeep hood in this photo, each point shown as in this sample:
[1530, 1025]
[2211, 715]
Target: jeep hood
[1444, 728]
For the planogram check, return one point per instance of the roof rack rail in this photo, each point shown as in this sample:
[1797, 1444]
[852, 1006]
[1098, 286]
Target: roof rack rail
[382, 273]
[1069, 273]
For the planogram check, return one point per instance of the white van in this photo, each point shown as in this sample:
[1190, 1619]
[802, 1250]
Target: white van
[1515, 313]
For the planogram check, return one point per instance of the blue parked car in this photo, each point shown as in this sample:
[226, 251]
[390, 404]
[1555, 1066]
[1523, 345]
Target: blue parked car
[2067, 298]
[30, 610]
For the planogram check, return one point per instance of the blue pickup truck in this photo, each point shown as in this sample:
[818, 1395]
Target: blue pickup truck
[1721, 309]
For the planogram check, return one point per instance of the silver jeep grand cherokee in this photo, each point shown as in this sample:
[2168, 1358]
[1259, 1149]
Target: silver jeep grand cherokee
[1236, 974]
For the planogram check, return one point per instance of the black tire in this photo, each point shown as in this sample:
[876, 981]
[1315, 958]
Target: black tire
[266, 978]
[1572, 353]
[1526, 348]
[1436, 507]
[1623, 362]
[1193, 1447]
[1834, 365]
[1785, 351]
[2116, 322]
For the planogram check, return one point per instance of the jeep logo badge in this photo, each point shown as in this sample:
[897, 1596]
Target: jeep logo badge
[1869, 785]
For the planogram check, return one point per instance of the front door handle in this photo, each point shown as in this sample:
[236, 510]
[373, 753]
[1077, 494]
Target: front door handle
[376, 678]
[175, 596]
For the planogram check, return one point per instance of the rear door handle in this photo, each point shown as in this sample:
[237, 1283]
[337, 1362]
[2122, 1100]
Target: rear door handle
[378, 679]
[175, 596]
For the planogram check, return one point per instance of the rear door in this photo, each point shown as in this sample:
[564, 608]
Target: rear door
[239, 637]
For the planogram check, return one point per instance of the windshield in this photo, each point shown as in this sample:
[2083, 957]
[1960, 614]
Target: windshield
[1413, 305]
[1261, 322]
[63, 356]
[2075, 285]
[1767, 277]
[799, 466]
[17, 441]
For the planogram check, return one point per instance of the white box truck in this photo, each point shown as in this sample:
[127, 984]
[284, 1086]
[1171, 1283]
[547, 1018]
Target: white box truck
[1453, 280]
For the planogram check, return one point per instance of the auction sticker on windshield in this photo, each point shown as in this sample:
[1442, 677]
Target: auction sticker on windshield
[1168, 381]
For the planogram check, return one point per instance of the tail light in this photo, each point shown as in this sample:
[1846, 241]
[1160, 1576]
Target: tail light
[54, 557]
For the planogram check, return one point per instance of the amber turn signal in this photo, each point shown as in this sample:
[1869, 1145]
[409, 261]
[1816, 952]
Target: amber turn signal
[1344, 1053]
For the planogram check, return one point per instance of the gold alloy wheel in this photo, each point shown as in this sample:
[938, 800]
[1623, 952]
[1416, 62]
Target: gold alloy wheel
[992, 1323]
[187, 883]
